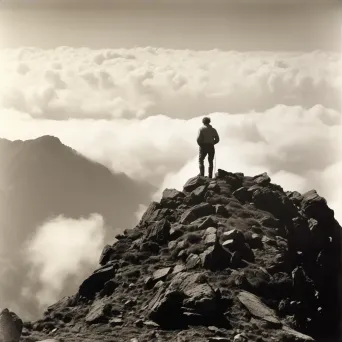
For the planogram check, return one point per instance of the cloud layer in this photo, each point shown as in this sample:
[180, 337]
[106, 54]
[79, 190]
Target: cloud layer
[62, 250]
[81, 83]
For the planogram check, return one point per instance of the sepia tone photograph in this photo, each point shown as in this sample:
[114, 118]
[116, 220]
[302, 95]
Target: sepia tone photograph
[170, 170]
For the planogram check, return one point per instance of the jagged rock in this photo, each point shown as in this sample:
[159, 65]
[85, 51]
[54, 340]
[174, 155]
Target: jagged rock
[208, 222]
[108, 288]
[171, 198]
[234, 235]
[165, 308]
[105, 255]
[242, 195]
[210, 239]
[315, 206]
[178, 268]
[186, 291]
[210, 236]
[194, 183]
[176, 231]
[275, 202]
[262, 179]
[295, 197]
[213, 186]
[296, 336]
[234, 241]
[96, 281]
[200, 210]
[98, 313]
[193, 261]
[159, 232]
[258, 280]
[172, 194]
[199, 294]
[257, 308]
[149, 246]
[197, 195]
[161, 274]
[11, 326]
[215, 257]
[150, 211]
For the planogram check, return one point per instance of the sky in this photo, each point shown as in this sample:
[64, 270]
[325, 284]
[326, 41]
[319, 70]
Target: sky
[242, 25]
[127, 84]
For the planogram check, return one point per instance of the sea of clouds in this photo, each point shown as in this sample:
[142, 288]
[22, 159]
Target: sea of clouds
[138, 111]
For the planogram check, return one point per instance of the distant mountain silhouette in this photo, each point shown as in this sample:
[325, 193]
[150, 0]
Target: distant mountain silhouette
[43, 178]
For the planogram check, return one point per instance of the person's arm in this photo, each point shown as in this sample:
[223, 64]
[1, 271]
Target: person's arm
[217, 138]
[199, 137]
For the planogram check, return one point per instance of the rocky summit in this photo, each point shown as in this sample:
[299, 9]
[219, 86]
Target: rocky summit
[235, 258]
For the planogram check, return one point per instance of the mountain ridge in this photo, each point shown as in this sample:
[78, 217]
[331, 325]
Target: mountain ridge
[41, 179]
[233, 258]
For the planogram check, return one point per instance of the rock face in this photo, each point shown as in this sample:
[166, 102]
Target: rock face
[11, 326]
[233, 258]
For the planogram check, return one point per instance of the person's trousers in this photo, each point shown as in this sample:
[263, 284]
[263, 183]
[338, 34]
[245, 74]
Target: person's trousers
[206, 150]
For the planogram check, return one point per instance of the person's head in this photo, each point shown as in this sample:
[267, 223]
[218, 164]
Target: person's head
[206, 121]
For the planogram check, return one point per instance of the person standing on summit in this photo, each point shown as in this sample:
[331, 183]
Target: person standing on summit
[207, 139]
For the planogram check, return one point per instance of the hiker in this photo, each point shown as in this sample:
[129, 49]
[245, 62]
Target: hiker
[206, 139]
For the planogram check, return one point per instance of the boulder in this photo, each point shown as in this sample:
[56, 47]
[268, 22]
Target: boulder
[161, 274]
[150, 211]
[257, 308]
[197, 195]
[96, 281]
[295, 336]
[171, 198]
[242, 195]
[165, 309]
[295, 197]
[206, 223]
[274, 202]
[194, 183]
[193, 261]
[234, 235]
[316, 207]
[11, 326]
[98, 313]
[187, 293]
[215, 257]
[199, 295]
[108, 288]
[262, 179]
[105, 255]
[172, 194]
[197, 211]
[159, 232]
